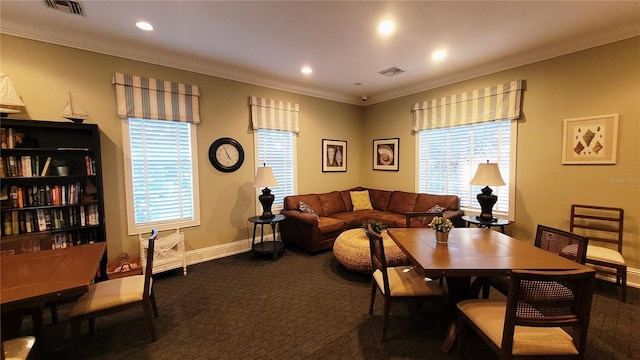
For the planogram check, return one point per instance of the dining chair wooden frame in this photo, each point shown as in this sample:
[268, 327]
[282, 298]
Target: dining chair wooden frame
[560, 242]
[603, 225]
[531, 323]
[395, 283]
[115, 295]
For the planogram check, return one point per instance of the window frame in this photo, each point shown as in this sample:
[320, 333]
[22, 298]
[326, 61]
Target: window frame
[132, 227]
[511, 180]
[277, 205]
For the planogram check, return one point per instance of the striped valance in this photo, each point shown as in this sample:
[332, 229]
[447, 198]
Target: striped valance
[273, 114]
[145, 98]
[491, 103]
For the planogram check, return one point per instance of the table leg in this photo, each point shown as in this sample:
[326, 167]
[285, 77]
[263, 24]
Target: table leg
[253, 239]
[275, 248]
[458, 288]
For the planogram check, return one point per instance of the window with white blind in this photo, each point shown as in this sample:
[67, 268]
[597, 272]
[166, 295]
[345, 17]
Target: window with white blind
[448, 159]
[160, 175]
[277, 149]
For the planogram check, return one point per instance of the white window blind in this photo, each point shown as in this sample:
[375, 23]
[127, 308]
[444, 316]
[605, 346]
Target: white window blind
[448, 158]
[160, 175]
[276, 149]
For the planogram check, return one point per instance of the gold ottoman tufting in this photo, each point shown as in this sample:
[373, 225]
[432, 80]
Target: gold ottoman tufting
[351, 249]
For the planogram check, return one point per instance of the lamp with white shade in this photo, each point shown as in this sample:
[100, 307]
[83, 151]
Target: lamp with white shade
[487, 175]
[10, 102]
[264, 178]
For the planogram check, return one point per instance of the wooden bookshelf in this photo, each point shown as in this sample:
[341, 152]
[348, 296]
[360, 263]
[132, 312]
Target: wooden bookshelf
[52, 194]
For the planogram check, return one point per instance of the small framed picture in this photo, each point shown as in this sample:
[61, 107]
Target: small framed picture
[386, 154]
[334, 155]
[590, 140]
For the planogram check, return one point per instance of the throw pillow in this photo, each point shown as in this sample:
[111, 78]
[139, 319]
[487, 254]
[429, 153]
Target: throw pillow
[437, 208]
[307, 209]
[360, 200]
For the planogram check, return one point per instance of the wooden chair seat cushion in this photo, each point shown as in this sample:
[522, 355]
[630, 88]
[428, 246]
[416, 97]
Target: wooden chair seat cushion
[489, 316]
[109, 294]
[405, 281]
[18, 348]
[600, 253]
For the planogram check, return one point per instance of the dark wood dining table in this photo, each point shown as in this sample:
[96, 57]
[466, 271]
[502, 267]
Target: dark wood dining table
[472, 252]
[31, 280]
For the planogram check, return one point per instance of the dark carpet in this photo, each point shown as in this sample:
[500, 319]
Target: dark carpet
[303, 307]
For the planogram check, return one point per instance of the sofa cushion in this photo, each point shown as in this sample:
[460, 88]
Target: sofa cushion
[360, 200]
[327, 225]
[293, 202]
[346, 199]
[402, 202]
[332, 203]
[379, 199]
[427, 201]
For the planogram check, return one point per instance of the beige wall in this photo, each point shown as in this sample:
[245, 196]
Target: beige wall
[598, 81]
[44, 73]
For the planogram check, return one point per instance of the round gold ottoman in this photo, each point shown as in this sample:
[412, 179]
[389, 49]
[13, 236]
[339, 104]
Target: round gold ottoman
[351, 249]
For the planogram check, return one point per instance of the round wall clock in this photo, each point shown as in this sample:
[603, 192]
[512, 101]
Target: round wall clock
[226, 154]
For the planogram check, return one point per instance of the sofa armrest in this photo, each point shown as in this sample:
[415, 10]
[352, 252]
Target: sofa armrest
[456, 217]
[300, 217]
[422, 218]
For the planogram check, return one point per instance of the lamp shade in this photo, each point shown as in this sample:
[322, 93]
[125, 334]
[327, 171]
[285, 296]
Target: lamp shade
[488, 175]
[9, 99]
[264, 177]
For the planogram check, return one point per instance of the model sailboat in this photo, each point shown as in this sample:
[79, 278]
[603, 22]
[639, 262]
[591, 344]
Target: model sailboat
[10, 102]
[73, 111]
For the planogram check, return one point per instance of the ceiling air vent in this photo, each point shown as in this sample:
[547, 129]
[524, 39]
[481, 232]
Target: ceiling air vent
[67, 6]
[392, 71]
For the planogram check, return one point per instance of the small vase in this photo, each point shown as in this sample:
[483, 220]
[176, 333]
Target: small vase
[442, 237]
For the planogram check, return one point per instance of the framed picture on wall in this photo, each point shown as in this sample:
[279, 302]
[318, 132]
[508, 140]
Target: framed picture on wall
[334, 155]
[590, 140]
[386, 154]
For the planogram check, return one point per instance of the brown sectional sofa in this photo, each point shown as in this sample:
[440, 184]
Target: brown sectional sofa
[335, 214]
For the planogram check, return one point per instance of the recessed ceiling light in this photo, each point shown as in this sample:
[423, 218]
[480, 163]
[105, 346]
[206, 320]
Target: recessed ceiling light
[143, 25]
[439, 55]
[386, 27]
[306, 70]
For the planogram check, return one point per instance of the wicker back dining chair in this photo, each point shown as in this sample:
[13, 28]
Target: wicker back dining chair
[604, 227]
[559, 242]
[546, 313]
[395, 283]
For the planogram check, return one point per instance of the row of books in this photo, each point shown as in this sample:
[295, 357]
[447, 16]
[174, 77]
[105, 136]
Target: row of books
[46, 195]
[26, 222]
[11, 138]
[32, 166]
[53, 241]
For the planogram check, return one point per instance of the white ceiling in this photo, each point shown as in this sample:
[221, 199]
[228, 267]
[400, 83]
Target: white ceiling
[267, 42]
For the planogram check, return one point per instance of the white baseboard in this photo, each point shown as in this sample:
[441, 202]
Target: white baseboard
[240, 246]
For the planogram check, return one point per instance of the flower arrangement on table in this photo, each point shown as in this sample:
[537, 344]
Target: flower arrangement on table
[441, 224]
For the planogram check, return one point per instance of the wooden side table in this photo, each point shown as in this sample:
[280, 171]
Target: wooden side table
[483, 223]
[265, 247]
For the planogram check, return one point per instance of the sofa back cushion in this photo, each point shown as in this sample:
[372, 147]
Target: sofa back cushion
[428, 201]
[332, 203]
[346, 198]
[402, 202]
[379, 199]
[292, 202]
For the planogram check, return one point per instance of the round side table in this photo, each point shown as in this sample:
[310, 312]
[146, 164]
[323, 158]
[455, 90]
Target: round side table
[265, 247]
[484, 223]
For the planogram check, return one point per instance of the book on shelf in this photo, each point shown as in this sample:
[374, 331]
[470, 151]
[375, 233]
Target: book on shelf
[42, 222]
[46, 166]
[2, 173]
